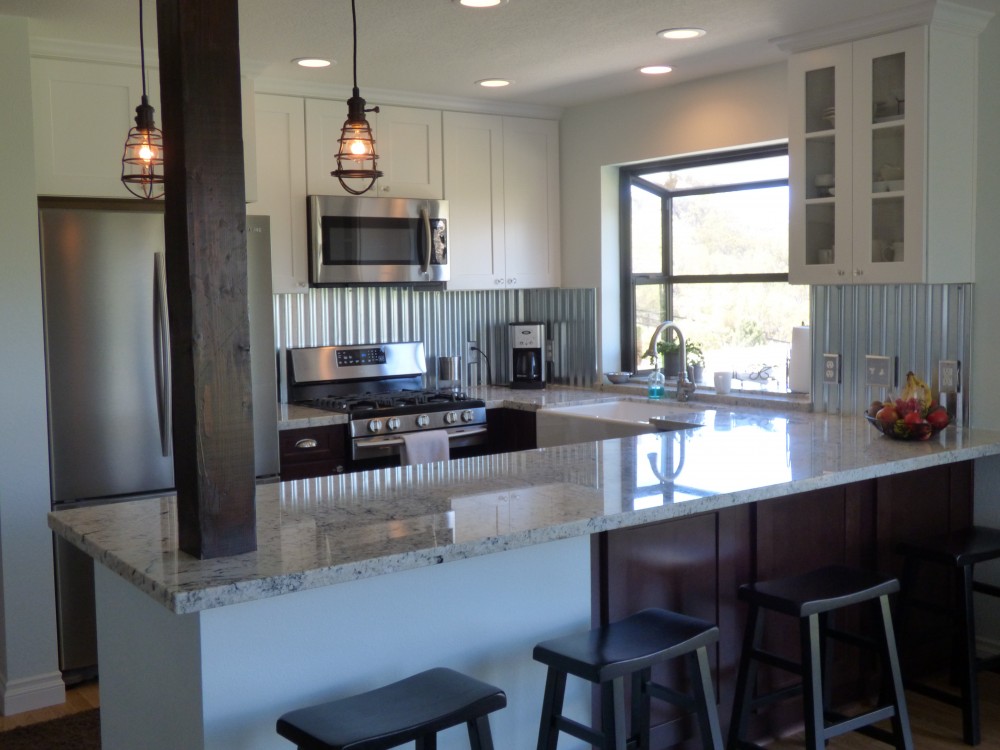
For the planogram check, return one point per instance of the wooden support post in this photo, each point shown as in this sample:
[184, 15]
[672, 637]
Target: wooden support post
[205, 228]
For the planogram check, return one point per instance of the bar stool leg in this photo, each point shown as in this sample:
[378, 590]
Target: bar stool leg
[613, 714]
[427, 742]
[552, 705]
[480, 736]
[704, 695]
[746, 678]
[641, 709]
[893, 678]
[970, 682]
[812, 682]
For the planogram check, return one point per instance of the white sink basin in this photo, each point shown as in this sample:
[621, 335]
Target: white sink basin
[562, 425]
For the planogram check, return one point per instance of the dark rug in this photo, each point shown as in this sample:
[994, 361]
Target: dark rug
[79, 731]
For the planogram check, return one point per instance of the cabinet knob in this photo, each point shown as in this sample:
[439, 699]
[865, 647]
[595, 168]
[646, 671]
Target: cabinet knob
[385, 188]
[498, 282]
[511, 282]
[858, 272]
[840, 273]
[306, 443]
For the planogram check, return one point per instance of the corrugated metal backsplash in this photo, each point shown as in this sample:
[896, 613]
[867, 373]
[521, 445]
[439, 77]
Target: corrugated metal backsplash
[918, 323]
[445, 321]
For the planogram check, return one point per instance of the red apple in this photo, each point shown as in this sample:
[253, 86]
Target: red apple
[938, 418]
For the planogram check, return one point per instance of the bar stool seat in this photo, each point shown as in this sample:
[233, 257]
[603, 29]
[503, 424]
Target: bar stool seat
[812, 597]
[958, 551]
[630, 647]
[413, 709]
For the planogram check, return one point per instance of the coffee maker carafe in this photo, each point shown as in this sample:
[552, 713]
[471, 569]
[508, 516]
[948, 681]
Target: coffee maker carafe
[527, 355]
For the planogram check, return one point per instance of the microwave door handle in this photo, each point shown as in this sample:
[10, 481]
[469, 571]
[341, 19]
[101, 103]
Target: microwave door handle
[161, 351]
[425, 256]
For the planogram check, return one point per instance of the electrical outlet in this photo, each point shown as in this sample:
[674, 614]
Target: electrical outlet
[831, 369]
[879, 371]
[471, 352]
[949, 376]
[473, 359]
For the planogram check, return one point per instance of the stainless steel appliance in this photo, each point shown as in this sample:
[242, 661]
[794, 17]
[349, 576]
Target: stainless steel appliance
[527, 355]
[357, 240]
[108, 376]
[381, 388]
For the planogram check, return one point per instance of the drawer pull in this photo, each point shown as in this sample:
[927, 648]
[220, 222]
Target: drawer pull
[305, 443]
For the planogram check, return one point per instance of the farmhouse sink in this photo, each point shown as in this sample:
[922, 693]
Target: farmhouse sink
[562, 425]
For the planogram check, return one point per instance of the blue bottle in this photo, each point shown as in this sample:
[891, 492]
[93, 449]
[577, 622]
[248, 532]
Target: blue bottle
[656, 382]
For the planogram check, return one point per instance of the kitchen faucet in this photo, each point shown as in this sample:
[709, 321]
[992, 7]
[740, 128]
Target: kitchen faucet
[684, 387]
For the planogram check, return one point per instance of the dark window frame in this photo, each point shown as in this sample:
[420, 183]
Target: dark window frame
[633, 176]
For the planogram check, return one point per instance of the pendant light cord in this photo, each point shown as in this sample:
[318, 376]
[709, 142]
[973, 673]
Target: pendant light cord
[354, 25]
[142, 52]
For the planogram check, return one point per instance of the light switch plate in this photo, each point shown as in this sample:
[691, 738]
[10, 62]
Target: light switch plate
[831, 369]
[879, 371]
[949, 376]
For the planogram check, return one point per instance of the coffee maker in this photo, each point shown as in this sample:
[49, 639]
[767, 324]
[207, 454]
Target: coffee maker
[527, 355]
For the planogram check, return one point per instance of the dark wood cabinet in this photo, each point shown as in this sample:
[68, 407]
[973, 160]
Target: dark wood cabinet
[695, 564]
[312, 451]
[510, 430]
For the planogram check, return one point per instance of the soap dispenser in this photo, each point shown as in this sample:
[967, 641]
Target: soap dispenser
[656, 383]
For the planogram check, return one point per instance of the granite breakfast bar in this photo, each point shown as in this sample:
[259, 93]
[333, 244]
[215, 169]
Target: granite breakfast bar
[360, 579]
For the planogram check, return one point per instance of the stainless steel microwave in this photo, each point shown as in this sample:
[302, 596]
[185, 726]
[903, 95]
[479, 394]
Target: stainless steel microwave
[359, 240]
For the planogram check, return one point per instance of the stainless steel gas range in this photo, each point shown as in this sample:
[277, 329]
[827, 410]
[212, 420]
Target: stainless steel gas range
[381, 388]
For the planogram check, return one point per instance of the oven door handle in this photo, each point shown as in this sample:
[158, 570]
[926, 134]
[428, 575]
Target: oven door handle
[377, 441]
[425, 256]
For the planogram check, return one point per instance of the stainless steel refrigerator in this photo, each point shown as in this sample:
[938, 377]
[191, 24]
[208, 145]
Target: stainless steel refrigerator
[108, 376]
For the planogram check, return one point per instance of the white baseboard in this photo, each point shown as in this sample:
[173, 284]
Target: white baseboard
[40, 691]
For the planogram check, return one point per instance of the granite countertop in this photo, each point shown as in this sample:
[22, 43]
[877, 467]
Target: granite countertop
[320, 532]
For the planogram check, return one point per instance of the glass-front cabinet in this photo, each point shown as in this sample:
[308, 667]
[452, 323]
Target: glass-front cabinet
[876, 198]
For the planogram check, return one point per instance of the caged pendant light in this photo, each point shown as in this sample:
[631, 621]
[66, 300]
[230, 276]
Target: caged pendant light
[142, 162]
[356, 157]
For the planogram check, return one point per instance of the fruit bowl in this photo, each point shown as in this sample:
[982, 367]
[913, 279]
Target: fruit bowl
[899, 430]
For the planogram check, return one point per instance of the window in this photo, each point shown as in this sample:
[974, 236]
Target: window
[705, 244]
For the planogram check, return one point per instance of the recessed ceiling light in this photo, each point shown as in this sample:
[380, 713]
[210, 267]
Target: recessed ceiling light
[312, 62]
[480, 3]
[655, 70]
[494, 83]
[681, 33]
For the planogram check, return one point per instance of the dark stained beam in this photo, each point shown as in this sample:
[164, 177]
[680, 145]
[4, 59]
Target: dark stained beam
[205, 230]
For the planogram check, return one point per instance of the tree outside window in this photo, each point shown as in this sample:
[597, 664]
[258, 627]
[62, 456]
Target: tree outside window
[705, 244]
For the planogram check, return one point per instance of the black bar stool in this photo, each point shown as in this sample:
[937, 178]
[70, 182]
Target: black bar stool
[607, 655]
[413, 709]
[812, 597]
[959, 552]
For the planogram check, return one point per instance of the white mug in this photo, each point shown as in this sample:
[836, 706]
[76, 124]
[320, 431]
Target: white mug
[723, 382]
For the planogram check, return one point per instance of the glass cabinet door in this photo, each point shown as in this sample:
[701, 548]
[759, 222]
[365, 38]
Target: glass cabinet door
[889, 83]
[819, 150]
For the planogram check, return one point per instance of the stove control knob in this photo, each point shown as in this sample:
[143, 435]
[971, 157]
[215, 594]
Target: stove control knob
[423, 420]
[468, 416]
[392, 423]
[451, 417]
[375, 425]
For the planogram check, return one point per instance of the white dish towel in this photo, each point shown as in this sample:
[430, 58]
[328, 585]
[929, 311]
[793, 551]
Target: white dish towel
[424, 447]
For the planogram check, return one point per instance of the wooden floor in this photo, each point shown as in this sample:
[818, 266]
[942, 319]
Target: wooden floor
[935, 726]
[78, 698]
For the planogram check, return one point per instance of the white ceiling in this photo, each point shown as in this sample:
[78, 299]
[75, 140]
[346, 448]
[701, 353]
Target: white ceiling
[558, 52]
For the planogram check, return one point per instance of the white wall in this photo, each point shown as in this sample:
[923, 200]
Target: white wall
[29, 676]
[985, 353]
[726, 111]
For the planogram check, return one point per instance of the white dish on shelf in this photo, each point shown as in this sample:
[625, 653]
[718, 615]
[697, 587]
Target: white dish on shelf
[887, 118]
[887, 186]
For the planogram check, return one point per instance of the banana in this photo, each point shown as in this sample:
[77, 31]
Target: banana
[917, 389]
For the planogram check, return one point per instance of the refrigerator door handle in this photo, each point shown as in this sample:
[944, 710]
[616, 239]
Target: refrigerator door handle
[161, 350]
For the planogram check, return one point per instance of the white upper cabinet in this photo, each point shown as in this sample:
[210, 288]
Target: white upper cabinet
[473, 179]
[882, 149]
[281, 171]
[407, 140]
[502, 186]
[82, 114]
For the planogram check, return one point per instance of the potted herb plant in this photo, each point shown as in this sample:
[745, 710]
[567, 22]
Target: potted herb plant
[670, 352]
[695, 361]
